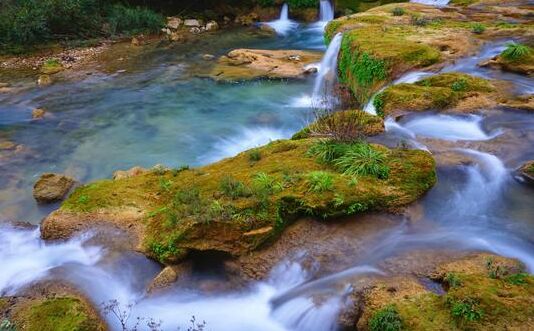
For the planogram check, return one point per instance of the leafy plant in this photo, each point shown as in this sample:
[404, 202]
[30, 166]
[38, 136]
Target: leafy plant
[233, 188]
[363, 160]
[386, 319]
[320, 181]
[478, 28]
[466, 309]
[398, 11]
[514, 51]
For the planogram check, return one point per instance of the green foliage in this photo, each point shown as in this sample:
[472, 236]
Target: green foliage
[386, 319]
[28, 22]
[398, 11]
[319, 181]
[327, 150]
[453, 280]
[478, 28]
[132, 20]
[302, 3]
[266, 3]
[515, 52]
[460, 85]
[517, 279]
[378, 102]
[466, 309]
[6, 325]
[254, 155]
[362, 159]
[233, 188]
[165, 185]
[418, 20]
[266, 184]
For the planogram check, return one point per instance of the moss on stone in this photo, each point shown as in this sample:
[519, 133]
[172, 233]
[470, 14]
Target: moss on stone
[57, 314]
[235, 206]
[51, 66]
[436, 92]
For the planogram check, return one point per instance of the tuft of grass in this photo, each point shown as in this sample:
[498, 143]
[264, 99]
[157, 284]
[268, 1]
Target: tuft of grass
[398, 11]
[327, 150]
[515, 51]
[233, 188]
[363, 160]
[466, 309]
[320, 181]
[453, 280]
[386, 319]
[460, 85]
[254, 155]
[517, 279]
[266, 184]
[478, 28]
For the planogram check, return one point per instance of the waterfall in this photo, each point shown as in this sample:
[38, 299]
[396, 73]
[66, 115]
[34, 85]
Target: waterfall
[283, 25]
[327, 74]
[435, 3]
[326, 12]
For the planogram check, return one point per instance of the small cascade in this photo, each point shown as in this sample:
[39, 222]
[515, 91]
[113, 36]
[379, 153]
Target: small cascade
[408, 78]
[327, 75]
[435, 3]
[326, 11]
[283, 25]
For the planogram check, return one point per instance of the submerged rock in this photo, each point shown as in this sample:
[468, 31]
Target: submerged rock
[44, 80]
[38, 113]
[52, 187]
[247, 64]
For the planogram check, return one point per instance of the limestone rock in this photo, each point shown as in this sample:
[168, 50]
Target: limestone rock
[135, 171]
[212, 26]
[38, 113]
[166, 277]
[174, 22]
[52, 187]
[192, 23]
[246, 64]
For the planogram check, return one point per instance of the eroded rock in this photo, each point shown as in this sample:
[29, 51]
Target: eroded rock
[52, 187]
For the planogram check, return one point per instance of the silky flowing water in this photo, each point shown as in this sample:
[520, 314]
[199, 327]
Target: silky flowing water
[157, 112]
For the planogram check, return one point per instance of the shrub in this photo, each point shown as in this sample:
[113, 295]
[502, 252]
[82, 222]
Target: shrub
[398, 11]
[514, 51]
[478, 28]
[386, 319]
[233, 188]
[363, 160]
[466, 309]
[320, 181]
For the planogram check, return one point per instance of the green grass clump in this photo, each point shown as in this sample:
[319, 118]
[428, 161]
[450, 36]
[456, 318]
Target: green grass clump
[254, 155]
[58, 314]
[398, 11]
[516, 52]
[363, 160]
[386, 319]
[234, 188]
[320, 181]
[453, 280]
[478, 28]
[467, 309]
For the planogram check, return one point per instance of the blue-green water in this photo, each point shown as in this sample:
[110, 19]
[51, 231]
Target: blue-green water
[156, 112]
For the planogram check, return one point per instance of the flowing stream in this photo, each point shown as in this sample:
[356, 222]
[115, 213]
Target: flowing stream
[157, 111]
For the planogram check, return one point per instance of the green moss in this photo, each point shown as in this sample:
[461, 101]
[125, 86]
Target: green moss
[57, 314]
[436, 92]
[463, 2]
[216, 218]
[51, 66]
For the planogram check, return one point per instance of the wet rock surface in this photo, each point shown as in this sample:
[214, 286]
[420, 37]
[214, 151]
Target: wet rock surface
[52, 187]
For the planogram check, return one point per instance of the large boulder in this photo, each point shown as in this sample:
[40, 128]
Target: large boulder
[247, 64]
[52, 187]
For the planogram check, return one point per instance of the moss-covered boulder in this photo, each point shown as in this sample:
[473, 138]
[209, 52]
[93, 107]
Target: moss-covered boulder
[238, 204]
[384, 42]
[516, 58]
[526, 173]
[439, 92]
[481, 292]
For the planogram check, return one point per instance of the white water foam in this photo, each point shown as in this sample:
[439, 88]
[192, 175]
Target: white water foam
[435, 3]
[26, 258]
[283, 25]
[448, 127]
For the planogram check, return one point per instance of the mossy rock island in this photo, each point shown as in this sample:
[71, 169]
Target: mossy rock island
[242, 203]
[442, 92]
[479, 292]
[415, 37]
